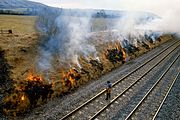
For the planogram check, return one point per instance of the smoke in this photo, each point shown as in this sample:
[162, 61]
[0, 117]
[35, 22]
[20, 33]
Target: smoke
[67, 35]
[133, 26]
[66, 38]
[79, 27]
[144, 16]
[167, 10]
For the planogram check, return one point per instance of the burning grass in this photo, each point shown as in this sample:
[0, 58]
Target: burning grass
[27, 94]
[32, 87]
[37, 88]
[20, 47]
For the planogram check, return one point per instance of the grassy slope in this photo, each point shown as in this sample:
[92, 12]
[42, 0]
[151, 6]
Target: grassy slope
[20, 47]
[19, 24]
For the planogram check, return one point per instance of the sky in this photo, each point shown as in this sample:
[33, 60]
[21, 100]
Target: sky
[157, 6]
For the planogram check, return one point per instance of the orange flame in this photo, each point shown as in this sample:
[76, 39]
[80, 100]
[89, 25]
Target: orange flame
[32, 77]
[23, 98]
[69, 76]
[124, 54]
[118, 45]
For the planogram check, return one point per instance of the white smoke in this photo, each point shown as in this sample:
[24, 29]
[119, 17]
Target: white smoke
[143, 16]
[66, 39]
[168, 10]
[68, 34]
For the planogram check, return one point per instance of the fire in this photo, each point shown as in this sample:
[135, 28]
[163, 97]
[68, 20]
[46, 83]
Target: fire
[27, 94]
[15, 103]
[70, 78]
[124, 54]
[23, 98]
[118, 45]
[115, 53]
[32, 77]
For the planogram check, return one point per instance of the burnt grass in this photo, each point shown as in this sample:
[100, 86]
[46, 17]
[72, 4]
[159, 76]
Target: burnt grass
[6, 83]
[5, 80]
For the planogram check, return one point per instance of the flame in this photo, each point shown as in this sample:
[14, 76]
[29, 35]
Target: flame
[69, 78]
[124, 54]
[15, 103]
[32, 77]
[23, 98]
[118, 45]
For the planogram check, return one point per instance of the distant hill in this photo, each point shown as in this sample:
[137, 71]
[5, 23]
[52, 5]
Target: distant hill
[13, 4]
[25, 7]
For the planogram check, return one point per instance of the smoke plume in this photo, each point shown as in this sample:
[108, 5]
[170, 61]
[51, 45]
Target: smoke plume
[167, 10]
[67, 35]
[65, 38]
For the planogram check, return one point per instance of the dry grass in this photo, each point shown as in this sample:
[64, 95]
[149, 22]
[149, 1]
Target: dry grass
[21, 53]
[19, 24]
[100, 24]
[21, 46]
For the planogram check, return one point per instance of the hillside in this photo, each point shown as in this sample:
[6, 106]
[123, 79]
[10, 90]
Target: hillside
[12, 4]
[19, 53]
[20, 47]
[25, 7]
[21, 7]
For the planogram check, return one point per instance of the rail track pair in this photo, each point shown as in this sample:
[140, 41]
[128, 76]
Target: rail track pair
[137, 91]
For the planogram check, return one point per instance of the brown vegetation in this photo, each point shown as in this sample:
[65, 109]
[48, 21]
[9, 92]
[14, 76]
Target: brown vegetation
[21, 50]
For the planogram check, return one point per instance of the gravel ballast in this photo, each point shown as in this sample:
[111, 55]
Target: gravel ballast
[171, 107]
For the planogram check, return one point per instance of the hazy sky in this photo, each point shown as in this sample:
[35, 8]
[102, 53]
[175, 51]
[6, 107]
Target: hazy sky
[107, 4]
[157, 6]
[80, 3]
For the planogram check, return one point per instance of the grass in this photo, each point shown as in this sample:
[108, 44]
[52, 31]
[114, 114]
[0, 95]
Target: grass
[21, 51]
[21, 46]
[100, 24]
[19, 24]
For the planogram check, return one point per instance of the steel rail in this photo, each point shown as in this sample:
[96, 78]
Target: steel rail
[152, 88]
[112, 101]
[121, 79]
[165, 96]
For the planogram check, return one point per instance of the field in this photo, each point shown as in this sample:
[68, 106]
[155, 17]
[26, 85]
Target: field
[20, 47]
[100, 24]
[19, 24]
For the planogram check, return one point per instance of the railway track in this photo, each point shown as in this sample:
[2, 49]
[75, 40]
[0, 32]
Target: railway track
[151, 103]
[168, 109]
[130, 97]
[96, 107]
